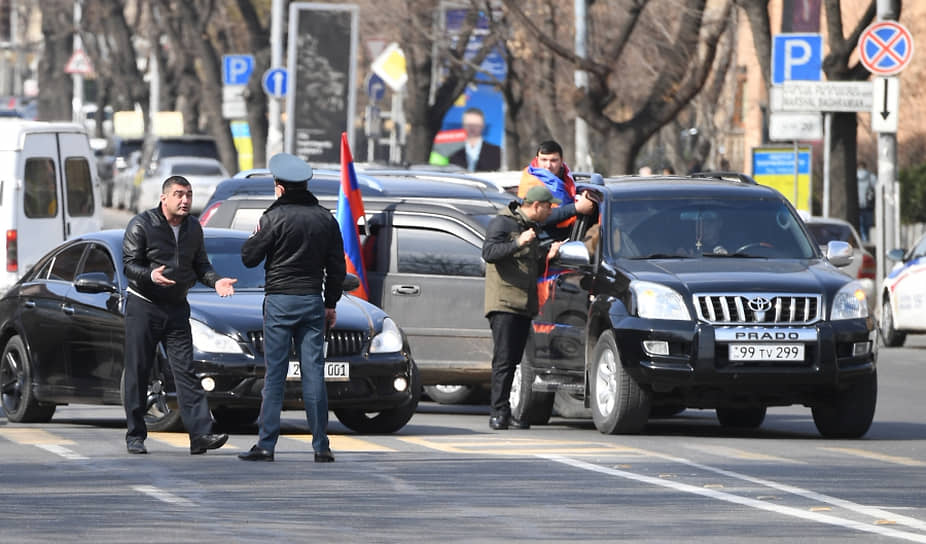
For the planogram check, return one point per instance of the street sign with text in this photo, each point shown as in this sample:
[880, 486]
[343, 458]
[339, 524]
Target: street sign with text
[787, 126]
[822, 96]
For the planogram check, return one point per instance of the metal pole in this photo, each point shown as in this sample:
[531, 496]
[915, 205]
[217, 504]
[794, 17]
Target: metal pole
[583, 157]
[796, 167]
[77, 104]
[827, 126]
[274, 124]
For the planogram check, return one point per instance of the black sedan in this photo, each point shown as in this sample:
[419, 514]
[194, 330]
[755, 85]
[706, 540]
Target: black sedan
[61, 332]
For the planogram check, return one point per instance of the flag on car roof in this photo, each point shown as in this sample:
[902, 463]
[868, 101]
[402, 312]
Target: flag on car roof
[350, 210]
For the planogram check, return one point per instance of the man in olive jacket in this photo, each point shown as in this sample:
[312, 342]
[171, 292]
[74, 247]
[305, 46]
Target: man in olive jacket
[514, 260]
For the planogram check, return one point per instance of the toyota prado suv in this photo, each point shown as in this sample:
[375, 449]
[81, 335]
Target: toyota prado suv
[699, 293]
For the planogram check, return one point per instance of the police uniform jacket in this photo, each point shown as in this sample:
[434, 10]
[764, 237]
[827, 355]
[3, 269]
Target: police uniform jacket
[149, 242]
[301, 246]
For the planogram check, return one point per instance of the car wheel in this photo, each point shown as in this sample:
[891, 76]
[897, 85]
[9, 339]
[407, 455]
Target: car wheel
[534, 407]
[749, 417]
[17, 388]
[162, 414]
[451, 394]
[890, 336]
[385, 421]
[231, 418]
[568, 405]
[619, 404]
[848, 413]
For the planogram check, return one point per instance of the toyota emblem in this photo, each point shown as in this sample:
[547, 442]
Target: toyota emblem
[759, 304]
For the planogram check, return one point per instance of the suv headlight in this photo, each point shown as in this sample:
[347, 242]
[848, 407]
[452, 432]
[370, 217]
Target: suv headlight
[655, 301]
[850, 302]
[208, 340]
[389, 340]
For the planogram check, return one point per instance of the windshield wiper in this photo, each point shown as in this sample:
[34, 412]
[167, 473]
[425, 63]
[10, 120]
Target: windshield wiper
[737, 255]
[661, 256]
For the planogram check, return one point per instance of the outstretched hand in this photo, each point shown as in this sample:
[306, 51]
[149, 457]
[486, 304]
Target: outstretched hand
[158, 277]
[224, 287]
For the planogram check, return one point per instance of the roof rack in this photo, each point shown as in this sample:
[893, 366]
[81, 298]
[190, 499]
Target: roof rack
[732, 176]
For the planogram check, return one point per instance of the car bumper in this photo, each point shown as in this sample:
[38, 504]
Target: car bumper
[371, 385]
[698, 365]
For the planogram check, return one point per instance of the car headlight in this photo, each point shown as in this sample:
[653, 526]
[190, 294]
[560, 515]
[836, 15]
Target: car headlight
[850, 302]
[208, 340]
[389, 340]
[655, 301]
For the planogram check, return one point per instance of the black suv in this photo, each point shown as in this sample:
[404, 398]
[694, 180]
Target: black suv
[700, 293]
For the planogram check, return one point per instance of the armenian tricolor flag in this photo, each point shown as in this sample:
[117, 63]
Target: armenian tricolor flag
[350, 210]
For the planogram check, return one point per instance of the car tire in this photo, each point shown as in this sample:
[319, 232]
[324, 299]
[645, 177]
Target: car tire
[17, 390]
[234, 417]
[527, 405]
[452, 394]
[619, 405]
[848, 413]
[163, 414]
[890, 336]
[739, 417]
[385, 421]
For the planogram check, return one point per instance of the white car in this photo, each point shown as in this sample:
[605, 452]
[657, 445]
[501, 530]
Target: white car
[903, 308]
[203, 173]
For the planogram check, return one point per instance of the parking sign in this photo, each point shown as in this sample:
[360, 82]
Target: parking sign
[236, 69]
[797, 57]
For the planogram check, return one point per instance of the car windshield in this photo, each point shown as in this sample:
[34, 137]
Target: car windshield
[225, 257]
[196, 169]
[706, 227]
[192, 148]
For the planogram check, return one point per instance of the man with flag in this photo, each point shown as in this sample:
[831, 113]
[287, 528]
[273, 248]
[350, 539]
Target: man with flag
[300, 244]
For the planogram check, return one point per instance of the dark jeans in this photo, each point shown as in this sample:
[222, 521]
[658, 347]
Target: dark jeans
[866, 219]
[299, 318]
[509, 335]
[146, 324]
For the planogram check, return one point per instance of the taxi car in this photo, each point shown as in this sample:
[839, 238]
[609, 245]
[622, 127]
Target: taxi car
[668, 312]
[903, 307]
[62, 336]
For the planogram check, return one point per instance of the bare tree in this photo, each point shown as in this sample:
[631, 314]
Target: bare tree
[58, 35]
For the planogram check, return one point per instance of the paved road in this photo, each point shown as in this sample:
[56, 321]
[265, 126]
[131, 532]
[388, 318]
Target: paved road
[447, 477]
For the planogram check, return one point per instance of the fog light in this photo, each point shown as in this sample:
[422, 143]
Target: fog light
[656, 347]
[208, 383]
[400, 383]
[860, 348]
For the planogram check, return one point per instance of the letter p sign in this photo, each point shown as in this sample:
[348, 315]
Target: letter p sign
[797, 57]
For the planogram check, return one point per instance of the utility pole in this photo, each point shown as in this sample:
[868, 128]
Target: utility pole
[274, 125]
[77, 104]
[583, 157]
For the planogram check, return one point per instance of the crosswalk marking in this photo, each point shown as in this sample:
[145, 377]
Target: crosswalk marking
[340, 442]
[517, 446]
[898, 460]
[33, 437]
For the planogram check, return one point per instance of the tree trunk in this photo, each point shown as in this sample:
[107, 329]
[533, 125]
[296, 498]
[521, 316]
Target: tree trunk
[843, 182]
[57, 25]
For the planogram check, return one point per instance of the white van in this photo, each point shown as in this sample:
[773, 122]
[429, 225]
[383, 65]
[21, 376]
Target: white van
[49, 190]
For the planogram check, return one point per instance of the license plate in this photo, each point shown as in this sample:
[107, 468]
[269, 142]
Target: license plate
[766, 352]
[334, 371]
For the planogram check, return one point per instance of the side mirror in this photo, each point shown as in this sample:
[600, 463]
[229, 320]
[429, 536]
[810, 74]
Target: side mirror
[351, 282]
[573, 254]
[839, 253]
[94, 282]
[896, 254]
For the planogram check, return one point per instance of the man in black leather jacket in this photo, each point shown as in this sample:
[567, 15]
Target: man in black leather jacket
[303, 253]
[163, 255]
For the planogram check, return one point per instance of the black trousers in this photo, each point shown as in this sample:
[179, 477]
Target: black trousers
[146, 324]
[509, 335]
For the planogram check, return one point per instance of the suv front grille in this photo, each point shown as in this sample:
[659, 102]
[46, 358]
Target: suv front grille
[790, 309]
[341, 343]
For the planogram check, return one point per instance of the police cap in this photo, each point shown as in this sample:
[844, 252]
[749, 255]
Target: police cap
[288, 168]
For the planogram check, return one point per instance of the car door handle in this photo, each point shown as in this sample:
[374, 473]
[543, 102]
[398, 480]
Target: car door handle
[29, 304]
[406, 290]
[69, 310]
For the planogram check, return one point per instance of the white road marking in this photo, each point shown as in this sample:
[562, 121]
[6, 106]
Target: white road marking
[745, 501]
[162, 495]
[62, 451]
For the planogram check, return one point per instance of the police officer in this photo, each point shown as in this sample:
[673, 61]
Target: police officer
[303, 254]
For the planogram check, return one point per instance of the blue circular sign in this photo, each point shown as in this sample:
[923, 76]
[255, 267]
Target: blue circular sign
[275, 82]
[885, 48]
[376, 87]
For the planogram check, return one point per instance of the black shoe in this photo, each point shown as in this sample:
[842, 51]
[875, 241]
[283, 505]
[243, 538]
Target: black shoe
[199, 444]
[499, 423]
[324, 457]
[519, 424]
[256, 453]
[136, 445]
